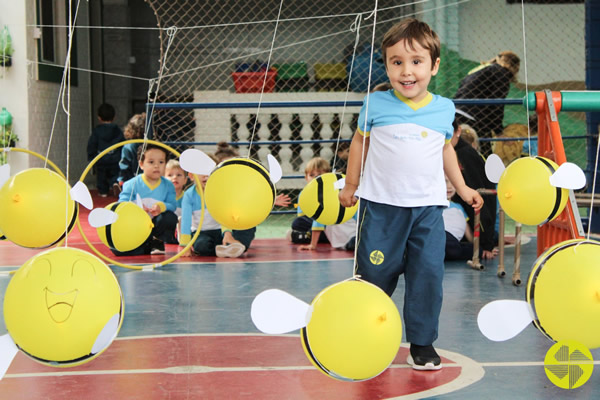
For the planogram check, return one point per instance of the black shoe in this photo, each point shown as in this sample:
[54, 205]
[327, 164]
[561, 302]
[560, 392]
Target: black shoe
[300, 237]
[424, 358]
[157, 246]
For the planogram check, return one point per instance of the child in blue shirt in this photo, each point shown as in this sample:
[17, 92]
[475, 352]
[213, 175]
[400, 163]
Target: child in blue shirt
[157, 194]
[403, 136]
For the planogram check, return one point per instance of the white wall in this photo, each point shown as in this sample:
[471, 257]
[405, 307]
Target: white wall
[13, 80]
[33, 103]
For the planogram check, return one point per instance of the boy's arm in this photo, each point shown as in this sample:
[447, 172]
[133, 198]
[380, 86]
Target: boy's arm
[357, 149]
[314, 240]
[469, 195]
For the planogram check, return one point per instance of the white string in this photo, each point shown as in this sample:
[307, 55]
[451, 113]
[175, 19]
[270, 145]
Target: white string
[262, 91]
[152, 95]
[246, 23]
[364, 138]
[525, 71]
[355, 27]
[593, 187]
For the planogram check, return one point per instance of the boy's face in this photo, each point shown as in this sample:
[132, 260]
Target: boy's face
[410, 70]
[177, 177]
[154, 164]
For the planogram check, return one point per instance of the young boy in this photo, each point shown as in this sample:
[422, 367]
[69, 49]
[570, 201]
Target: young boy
[103, 136]
[406, 133]
[158, 199]
[456, 227]
[178, 178]
[304, 229]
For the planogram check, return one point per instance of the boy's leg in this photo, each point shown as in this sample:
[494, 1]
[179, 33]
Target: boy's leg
[381, 244]
[206, 242]
[245, 237]
[164, 227]
[424, 272]
[102, 179]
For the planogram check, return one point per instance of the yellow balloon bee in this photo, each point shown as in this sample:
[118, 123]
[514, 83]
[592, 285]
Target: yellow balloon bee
[62, 308]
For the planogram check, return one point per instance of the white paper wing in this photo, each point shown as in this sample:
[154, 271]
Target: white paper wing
[8, 351]
[196, 162]
[81, 194]
[275, 171]
[568, 176]
[501, 320]
[101, 217]
[494, 167]
[275, 312]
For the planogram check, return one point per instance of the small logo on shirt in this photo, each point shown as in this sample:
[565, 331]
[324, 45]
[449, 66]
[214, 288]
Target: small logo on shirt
[376, 257]
[424, 134]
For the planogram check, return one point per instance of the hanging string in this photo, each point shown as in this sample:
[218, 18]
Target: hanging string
[355, 27]
[152, 94]
[364, 138]
[265, 78]
[525, 70]
[593, 187]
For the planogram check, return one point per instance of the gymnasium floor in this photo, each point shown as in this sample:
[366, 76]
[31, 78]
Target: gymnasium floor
[187, 334]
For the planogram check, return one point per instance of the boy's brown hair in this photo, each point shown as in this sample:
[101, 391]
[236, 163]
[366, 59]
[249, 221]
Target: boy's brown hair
[136, 127]
[224, 152]
[317, 164]
[412, 30]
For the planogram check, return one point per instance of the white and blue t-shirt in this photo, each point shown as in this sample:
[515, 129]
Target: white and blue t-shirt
[405, 165]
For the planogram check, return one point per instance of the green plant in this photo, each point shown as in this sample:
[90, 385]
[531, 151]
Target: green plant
[7, 139]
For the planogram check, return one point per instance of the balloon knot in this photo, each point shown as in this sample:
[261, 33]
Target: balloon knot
[16, 198]
[382, 317]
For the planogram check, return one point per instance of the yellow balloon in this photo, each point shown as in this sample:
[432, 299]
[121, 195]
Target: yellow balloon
[130, 230]
[319, 201]
[36, 208]
[63, 307]
[525, 193]
[563, 291]
[239, 193]
[354, 332]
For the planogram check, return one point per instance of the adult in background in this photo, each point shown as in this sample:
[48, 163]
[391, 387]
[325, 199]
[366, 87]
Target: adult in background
[491, 80]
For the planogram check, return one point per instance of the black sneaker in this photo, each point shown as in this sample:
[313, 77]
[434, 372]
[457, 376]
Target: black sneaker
[157, 246]
[424, 358]
[300, 237]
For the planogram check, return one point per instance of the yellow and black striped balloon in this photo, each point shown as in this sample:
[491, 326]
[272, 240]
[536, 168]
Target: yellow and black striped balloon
[129, 231]
[525, 192]
[562, 291]
[319, 201]
[239, 193]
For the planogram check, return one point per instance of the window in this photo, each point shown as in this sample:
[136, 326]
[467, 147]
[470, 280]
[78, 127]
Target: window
[52, 17]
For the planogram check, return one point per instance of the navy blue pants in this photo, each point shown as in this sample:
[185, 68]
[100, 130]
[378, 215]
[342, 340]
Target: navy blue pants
[409, 241]
[207, 240]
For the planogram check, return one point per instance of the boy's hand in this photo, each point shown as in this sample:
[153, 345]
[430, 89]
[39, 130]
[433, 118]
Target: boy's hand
[346, 196]
[187, 253]
[282, 200]
[306, 247]
[472, 197]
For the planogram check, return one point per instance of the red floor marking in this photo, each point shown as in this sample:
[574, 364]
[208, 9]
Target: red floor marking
[210, 367]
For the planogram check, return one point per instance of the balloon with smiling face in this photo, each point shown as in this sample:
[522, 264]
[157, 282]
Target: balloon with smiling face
[63, 307]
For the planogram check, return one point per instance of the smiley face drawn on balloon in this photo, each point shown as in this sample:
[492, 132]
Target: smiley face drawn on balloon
[63, 307]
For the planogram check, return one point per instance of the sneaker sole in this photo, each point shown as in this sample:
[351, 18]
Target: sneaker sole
[427, 367]
[231, 251]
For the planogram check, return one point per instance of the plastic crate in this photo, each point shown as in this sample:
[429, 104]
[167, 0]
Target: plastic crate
[330, 71]
[292, 77]
[252, 82]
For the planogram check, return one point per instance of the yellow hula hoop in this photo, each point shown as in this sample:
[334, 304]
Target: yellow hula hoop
[151, 266]
[33, 153]
[54, 166]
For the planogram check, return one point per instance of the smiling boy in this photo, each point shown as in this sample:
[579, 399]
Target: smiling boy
[406, 132]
